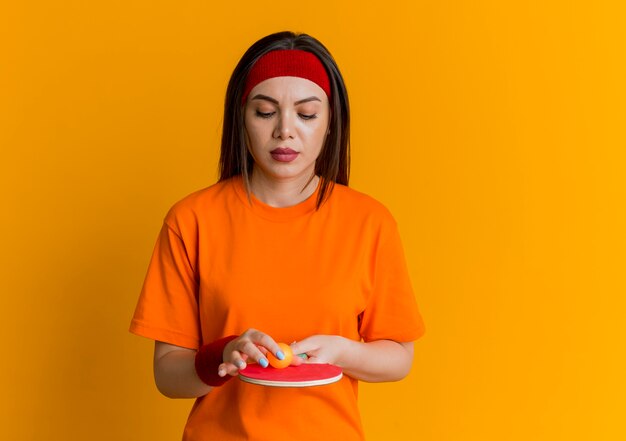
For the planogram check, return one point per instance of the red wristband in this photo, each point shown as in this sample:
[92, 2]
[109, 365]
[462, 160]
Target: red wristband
[208, 359]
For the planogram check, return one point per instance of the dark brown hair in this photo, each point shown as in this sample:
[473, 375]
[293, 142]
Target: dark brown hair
[333, 163]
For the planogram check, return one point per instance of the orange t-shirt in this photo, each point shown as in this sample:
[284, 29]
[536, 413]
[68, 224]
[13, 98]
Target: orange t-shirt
[223, 264]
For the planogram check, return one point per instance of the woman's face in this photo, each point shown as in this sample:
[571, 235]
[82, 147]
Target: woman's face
[286, 119]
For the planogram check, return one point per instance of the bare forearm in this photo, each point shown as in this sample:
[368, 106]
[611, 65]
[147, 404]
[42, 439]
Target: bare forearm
[175, 366]
[376, 361]
[175, 375]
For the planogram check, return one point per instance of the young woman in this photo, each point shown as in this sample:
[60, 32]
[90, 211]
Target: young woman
[279, 250]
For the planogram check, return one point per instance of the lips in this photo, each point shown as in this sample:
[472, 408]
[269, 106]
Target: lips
[284, 154]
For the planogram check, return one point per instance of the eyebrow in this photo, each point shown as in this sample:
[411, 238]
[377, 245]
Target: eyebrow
[273, 100]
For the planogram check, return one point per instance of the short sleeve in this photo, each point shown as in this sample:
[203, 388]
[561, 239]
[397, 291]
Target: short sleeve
[391, 312]
[167, 309]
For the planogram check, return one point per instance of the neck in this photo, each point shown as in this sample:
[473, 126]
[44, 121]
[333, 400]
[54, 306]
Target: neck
[282, 193]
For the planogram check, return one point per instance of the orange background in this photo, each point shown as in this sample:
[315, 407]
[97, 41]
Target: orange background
[494, 131]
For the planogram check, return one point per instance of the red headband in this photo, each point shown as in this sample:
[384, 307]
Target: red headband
[287, 63]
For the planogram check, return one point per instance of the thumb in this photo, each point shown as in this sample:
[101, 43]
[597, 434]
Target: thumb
[297, 348]
[303, 347]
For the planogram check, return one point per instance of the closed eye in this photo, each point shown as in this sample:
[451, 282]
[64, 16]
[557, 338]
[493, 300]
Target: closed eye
[265, 115]
[305, 117]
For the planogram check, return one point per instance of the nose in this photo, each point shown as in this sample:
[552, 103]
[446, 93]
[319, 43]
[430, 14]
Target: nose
[284, 127]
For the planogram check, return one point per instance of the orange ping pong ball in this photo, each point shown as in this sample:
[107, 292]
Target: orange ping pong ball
[280, 364]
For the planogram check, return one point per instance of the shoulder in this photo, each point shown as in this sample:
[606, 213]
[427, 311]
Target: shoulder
[360, 205]
[205, 202]
[360, 210]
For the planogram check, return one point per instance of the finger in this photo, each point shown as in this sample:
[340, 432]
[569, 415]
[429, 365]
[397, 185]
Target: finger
[222, 370]
[237, 359]
[316, 360]
[227, 369]
[230, 368]
[252, 350]
[299, 355]
[262, 339]
[297, 360]
[305, 346]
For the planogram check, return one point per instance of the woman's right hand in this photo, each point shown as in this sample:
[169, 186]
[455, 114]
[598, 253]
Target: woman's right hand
[251, 345]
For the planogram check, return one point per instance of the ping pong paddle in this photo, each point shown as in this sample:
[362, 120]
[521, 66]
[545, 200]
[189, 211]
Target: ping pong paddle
[305, 375]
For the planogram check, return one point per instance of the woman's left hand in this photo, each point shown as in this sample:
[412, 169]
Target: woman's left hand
[320, 349]
[374, 361]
